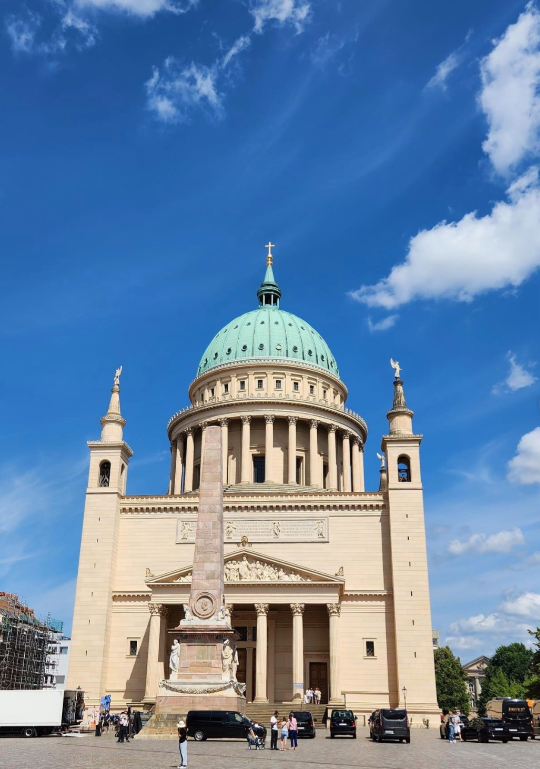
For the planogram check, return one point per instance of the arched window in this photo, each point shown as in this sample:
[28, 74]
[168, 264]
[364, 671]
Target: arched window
[404, 469]
[105, 473]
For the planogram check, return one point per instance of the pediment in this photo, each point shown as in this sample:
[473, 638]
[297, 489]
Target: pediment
[480, 663]
[246, 566]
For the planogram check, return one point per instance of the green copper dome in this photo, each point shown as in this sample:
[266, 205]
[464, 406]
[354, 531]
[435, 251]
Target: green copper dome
[268, 333]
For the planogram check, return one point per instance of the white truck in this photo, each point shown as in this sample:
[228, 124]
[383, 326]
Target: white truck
[32, 712]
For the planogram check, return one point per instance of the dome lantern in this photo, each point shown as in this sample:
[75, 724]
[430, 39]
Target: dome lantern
[269, 292]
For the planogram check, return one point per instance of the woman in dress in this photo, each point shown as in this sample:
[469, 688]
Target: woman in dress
[283, 734]
[182, 744]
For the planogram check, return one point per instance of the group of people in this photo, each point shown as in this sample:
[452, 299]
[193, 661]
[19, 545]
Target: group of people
[312, 696]
[454, 727]
[283, 727]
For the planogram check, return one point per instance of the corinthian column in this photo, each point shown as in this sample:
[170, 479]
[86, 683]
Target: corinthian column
[357, 470]
[292, 450]
[225, 446]
[332, 459]
[314, 479]
[154, 669]
[173, 467]
[334, 611]
[298, 650]
[245, 476]
[269, 449]
[188, 481]
[261, 662]
[179, 465]
[346, 461]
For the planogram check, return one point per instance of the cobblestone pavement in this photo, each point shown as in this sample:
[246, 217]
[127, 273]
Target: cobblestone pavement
[426, 751]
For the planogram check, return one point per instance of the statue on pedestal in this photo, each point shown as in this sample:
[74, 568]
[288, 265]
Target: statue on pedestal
[174, 658]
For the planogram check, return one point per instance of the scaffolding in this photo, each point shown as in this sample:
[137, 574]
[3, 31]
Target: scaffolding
[25, 645]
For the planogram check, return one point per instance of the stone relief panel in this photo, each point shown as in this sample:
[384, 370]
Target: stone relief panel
[247, 569]
[270, 529]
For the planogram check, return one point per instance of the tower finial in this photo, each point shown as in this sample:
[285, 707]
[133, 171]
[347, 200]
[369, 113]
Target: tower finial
[269, 255]
[399, 416]
[113, 422]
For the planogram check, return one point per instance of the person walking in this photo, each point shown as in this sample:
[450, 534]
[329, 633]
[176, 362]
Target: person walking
[274, 728]
[450, 729]
[293, 731]
[182, 744]
[284, 733]
[456, 720]
[123, 727]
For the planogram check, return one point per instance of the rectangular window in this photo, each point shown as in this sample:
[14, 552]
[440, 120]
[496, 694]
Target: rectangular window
[260, 384]
[324, 394]
[258, 470]
[370, 648]
[63, 650]
[296, 386]
[133, 648]
[312, 389]
[226, 388]
[212, 392]
[60, 679]
[278, 384]
[243, 385]
[299, 469]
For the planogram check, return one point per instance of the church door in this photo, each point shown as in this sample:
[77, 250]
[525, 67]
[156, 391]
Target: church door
[318, 676]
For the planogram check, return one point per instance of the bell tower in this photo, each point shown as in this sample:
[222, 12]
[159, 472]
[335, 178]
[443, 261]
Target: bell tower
[109, 459]
[415, 674]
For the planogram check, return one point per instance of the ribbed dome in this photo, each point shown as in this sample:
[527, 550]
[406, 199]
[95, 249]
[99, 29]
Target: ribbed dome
[265, 333]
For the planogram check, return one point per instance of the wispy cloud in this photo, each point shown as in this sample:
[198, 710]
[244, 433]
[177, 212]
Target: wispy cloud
[447, 66]
[282, 12]
[142, 8]
[524, 468]
[518, 377]
[176, 91]
[382, 325]
[331, 48]
[70, 30]
[501, 542]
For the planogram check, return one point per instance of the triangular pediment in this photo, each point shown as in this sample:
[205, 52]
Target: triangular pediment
[248, 566]
[480, 663]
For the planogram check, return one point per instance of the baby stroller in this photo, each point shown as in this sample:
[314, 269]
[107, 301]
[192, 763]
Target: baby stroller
[256, 737]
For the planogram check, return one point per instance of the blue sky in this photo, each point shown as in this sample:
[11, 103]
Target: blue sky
[149, 149]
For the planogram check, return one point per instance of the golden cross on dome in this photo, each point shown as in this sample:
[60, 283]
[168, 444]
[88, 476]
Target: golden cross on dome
[269, 255]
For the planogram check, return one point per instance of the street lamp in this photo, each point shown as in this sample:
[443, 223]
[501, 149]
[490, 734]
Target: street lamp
[404, 690]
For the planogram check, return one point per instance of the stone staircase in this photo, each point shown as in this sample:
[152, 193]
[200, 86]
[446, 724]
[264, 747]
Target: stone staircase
[262, 711]
[162, 726]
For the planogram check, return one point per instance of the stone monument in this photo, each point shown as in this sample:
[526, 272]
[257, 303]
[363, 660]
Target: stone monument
[203, 656]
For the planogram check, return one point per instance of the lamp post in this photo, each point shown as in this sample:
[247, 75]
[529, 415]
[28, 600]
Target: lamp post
[404, 690]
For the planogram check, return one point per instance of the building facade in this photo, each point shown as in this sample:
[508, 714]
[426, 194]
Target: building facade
[476, 672]
[327, 582]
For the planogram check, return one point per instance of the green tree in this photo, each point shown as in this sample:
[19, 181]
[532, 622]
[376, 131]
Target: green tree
[451, 681]
[532, 684]
[506, 674]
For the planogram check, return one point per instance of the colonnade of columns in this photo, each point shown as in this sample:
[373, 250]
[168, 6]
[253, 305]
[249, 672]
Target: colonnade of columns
[155, 669]
[350, 454]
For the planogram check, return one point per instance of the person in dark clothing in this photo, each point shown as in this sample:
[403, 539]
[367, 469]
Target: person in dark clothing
[274, 730]
[182, 744]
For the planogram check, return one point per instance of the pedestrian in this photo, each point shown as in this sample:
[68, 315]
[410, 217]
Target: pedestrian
[293, 731]
[457, 726]
[182, 744]
[450, 727]
[317, 696]
[283, 734]
[123, 727]
[274, 730]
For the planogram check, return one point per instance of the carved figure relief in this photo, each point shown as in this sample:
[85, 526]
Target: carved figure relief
[185, 530]
[257, 571]
[276, 528]
[230, 528]
[319, 529]
[174, 658]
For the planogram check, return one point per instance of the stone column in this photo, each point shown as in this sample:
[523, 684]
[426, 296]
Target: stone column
[190, 450]
[261, 666]
[269, 449]
[173, 467]
[291, 475]
[157, 612]
[202, 425]
[332, 458]
[249, 674]
[245, 476]
[334, 610]
[313, 454]
[357, 475]
[179, 465]
[225, 446]
[346, 461]
[298, 650]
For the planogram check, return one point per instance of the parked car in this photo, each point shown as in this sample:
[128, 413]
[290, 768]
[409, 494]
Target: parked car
[306, 723]
[443, 729]
[342, 721]
[515, 714]
[389, 724]
[202, 724]
[485, 729]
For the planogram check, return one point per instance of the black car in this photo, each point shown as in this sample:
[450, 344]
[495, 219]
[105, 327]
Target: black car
[443, 729]
[485, 729]
[389, 724]
[202, 724]
[305, 722]
[341, 722]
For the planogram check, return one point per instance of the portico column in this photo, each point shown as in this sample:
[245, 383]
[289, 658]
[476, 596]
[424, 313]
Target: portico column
[291, 477]
[157, 612]
[188, 482]
[334, 611]
[346, 461]
[269, 449]
[262, 653]
[224, 446]
[298, 650]
[179, 465]
[332, 459]
[202, 425]
[313, 454]
[173, 467]
[245, 476]
[357, 479]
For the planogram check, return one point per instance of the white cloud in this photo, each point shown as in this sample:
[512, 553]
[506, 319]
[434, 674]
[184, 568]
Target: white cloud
[176, 91]
[460, 260]
[493, 629]
[502, 542]
[143, 8]
[237, 47]
[526, 605]
[510, 95]
[444, 69]
[283, 12]
[382, 325]
[71, 29]
[22, 32]
[518, 377]
[326, 48]
[524, 468]
[463, 642]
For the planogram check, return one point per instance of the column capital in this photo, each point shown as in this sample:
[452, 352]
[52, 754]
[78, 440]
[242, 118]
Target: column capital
[203, 425]
[313, 423]
[297, 608]
[269, 419]
[223, 422]
[261, 609]
[292, 420]
[331, 428]
[188, 431]
[334, 609]
[346, 434]
[158, 608]
[245, 420]
[355, 440]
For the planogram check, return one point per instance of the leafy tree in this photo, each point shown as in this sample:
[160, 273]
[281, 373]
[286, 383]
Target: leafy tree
[532, 684]
[451, 681]
[506, 674]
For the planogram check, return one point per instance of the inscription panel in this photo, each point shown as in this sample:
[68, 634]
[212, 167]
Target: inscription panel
[270, 529]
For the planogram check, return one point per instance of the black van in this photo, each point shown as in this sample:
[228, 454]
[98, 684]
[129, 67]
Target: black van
[389, 724]
[515, 714]
[202, 724]
[305, 723]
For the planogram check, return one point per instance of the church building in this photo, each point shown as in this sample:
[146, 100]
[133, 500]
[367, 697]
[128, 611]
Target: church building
[327, 583]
